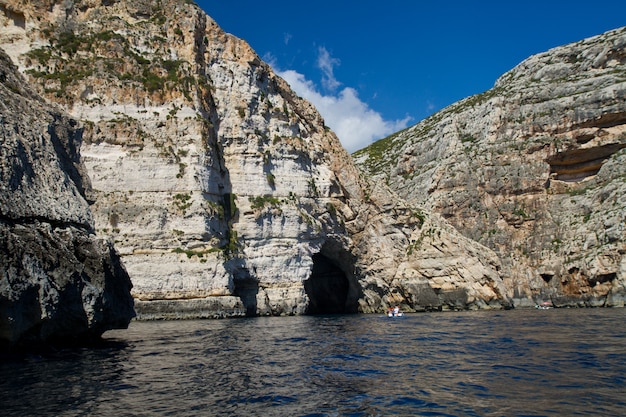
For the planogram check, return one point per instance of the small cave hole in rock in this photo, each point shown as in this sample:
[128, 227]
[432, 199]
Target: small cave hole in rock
[327, 287]
[547, 277]
[602, 278]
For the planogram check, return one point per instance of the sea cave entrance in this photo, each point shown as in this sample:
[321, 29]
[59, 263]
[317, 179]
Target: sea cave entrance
[247, 289]
[327, 288]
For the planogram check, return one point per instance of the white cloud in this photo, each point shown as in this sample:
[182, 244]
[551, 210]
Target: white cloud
[354, 122]
[326, 63]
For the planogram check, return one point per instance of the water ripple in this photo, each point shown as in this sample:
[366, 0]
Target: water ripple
[514, 363]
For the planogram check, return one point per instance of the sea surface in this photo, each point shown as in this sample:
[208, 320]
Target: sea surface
[560, 362]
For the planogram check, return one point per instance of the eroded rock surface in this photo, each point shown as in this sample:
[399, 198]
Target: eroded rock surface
[58, 280]
[532, 169]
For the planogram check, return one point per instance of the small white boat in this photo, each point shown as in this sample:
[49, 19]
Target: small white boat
[394, 312]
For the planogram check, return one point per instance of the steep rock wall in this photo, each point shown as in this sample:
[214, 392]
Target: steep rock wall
[58, 280]
[533, 169]
[224, 191]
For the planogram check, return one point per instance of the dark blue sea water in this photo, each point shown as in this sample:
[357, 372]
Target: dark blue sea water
[508, 363]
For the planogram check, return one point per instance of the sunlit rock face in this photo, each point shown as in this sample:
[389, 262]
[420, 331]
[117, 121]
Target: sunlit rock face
[224, 191]
[59, 282]
[532, 169]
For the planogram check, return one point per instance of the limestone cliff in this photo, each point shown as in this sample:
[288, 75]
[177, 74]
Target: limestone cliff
[224, 191]
[58, 281]
[533, 169]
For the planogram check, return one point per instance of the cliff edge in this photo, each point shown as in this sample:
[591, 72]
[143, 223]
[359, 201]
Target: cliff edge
[59, 282]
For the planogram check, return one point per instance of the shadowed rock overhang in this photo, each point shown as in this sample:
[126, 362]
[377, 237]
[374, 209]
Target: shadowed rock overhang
[578, 164]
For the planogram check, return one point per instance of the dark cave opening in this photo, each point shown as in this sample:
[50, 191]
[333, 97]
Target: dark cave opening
[546, 277]
[327, 287]
[247, 289]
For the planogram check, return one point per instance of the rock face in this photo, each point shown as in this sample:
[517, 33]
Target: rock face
[58, 281]
[223, 190]
[532, 169]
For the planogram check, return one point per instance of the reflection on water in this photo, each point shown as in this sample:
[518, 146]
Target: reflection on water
[530, 363]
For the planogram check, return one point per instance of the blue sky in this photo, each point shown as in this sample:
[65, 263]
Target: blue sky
[373, 67]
